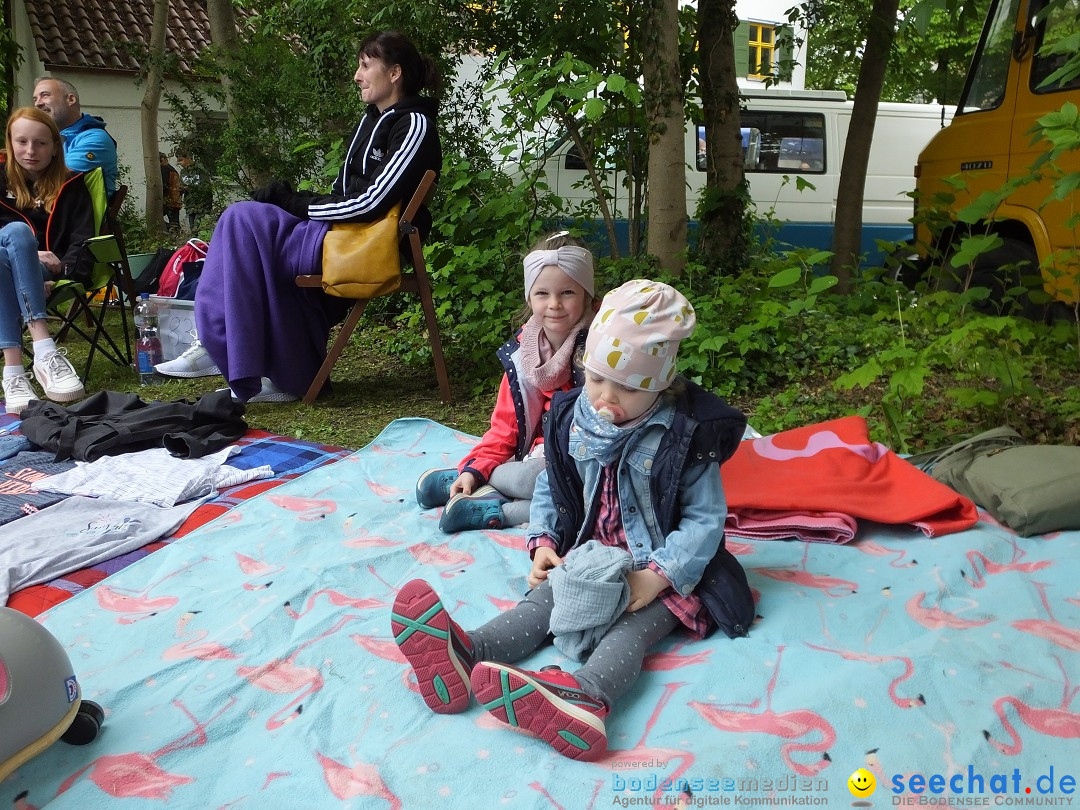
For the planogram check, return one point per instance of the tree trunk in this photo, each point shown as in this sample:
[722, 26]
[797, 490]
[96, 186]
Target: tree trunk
[223, 34]
[722, 231]
[151, 100]
[666, 230]
[597, 182]
[847, 230]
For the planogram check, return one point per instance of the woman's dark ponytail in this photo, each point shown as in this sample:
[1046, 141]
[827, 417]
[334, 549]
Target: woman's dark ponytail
[418, 71]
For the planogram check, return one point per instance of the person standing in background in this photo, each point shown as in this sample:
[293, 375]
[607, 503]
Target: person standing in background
[171, 197]
[196, 189]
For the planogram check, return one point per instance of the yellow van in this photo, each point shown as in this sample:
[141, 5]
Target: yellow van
[989, 143]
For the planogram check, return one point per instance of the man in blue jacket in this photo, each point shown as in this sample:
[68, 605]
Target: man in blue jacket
[86, 142]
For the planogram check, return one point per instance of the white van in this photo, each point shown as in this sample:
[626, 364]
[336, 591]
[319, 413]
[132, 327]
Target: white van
[787, 134]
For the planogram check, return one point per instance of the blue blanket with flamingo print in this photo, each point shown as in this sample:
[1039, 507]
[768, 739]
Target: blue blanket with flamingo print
[250, 664]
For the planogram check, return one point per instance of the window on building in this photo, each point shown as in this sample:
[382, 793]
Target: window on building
[762, 41]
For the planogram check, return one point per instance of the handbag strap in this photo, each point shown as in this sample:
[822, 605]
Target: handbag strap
[969, 449]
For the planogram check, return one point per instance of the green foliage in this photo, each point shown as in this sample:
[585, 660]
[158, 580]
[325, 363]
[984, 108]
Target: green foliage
[929, 57]
[484, 224]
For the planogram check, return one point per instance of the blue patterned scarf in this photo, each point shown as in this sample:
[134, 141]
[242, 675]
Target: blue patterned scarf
[603, 440]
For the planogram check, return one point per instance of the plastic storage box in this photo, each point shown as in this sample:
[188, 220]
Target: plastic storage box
[176, 323]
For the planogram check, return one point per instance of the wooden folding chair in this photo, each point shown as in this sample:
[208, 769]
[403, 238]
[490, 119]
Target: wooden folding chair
[414, 279]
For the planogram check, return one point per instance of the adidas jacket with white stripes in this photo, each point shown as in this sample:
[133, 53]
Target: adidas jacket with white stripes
[387, 155]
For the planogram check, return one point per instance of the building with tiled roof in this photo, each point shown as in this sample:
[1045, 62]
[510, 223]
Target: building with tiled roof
[95, 45]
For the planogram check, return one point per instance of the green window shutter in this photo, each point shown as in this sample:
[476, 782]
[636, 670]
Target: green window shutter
[784, 53]
[741, 36]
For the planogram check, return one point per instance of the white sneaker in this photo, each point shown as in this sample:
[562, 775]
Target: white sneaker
[18, 392]
[58, 377]
[194, 362]
[271, 393]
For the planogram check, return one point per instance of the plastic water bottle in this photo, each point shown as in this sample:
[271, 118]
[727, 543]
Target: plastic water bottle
[148, 348]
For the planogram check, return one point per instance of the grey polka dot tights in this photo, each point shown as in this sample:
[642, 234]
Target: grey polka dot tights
[612, 667]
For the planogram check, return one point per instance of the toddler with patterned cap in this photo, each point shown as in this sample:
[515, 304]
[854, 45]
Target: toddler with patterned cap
[492, 486]
[637, 440]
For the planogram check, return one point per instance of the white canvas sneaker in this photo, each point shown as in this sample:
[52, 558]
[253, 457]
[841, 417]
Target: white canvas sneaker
[18, 392]
[57, 376]
[194, 362]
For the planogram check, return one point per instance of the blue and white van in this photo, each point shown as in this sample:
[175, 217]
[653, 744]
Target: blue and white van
[789, 134]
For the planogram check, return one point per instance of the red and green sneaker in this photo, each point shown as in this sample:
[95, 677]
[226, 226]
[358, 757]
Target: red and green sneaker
[548, 704]
[435, 645]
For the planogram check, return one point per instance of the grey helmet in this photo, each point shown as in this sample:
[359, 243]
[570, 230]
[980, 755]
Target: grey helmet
[40, 699]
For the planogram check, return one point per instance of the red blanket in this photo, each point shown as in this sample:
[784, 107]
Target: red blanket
[834, 467]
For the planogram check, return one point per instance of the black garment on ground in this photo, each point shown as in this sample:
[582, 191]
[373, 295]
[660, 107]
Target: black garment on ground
[109, 423]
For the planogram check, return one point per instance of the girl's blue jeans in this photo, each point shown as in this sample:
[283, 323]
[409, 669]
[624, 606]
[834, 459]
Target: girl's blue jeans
[22, 285]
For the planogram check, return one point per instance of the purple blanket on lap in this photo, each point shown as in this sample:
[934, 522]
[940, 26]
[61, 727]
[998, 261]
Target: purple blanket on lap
[251, 317]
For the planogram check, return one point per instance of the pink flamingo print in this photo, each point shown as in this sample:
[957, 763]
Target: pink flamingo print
[384, 490]
[990, 567]
[1058, 722]
[441, 555]
[256, 568]
[192, 644]
[282, 676]
[308, 508]
[270, 777]
[136, 607]
[365, 539]
[389, 651]
[361, 779]
[739, 549]
[505, 539]
[936, 618]
[642, 753]
[830, 585]
[543, 791]
[140, 605]
[790, 725]
[878, 550]
[335, 598]
[503, 605]
[1052, 630]
[673, 659]
[909, 670]
[137, 775]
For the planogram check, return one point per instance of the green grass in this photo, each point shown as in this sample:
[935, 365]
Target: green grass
[370, 389]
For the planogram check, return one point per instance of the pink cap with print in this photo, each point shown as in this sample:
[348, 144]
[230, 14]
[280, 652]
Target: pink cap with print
[634, 338]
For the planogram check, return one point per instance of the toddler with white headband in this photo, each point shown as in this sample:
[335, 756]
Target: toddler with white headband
[626, 537]
[492, 486]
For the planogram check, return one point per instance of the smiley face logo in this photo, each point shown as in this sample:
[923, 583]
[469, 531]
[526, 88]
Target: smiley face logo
[862, 784]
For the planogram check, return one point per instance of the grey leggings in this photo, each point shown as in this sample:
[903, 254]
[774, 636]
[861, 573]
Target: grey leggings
[613, 666]
[517, 480]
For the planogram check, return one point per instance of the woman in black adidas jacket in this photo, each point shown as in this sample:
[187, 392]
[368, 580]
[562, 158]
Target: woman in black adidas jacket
[267, 336]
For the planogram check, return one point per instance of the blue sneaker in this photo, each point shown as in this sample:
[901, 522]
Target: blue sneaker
[433, 487]
[481, 510]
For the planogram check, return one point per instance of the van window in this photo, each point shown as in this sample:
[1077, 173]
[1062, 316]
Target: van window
[790, 141]
[573, 159]
[990, 67]
[781, 142]
[1062, 20]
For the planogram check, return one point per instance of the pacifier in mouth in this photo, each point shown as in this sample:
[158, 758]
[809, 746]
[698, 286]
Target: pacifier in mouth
[606, 414]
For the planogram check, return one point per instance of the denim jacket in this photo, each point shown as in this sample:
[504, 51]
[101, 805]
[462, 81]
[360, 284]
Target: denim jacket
[671, 499]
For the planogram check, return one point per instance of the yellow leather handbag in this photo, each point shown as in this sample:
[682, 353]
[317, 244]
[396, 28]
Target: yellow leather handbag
[361, 259]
